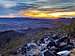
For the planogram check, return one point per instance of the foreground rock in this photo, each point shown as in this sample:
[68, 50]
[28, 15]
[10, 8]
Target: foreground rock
[52, 44]
[72, 52]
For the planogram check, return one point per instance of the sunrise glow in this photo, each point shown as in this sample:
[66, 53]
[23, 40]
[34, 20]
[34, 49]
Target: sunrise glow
[47, 14]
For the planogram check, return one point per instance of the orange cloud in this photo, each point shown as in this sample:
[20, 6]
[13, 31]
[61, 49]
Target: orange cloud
[47, 14]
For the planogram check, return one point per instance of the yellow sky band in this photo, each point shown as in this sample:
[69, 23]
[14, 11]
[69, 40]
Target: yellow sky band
[44, 14]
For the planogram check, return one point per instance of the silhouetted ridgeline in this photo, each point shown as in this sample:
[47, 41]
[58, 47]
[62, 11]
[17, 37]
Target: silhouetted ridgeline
[10, 40]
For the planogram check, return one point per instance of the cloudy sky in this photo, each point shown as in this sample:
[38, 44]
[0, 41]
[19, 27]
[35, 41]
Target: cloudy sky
[13, 7]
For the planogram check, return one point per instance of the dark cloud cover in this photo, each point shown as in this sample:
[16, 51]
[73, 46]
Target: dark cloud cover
[13, 6]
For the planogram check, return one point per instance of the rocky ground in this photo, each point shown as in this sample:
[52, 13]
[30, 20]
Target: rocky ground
[12, 41]
[51, 44]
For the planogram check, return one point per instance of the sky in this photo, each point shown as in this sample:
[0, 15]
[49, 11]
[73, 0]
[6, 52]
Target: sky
[14, 7]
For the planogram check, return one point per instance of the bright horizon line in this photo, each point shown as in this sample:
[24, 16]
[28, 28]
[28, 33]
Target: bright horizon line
[33, 17]
[35, 14]
[28, 17]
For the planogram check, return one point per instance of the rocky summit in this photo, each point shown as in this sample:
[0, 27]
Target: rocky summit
[52, 44]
